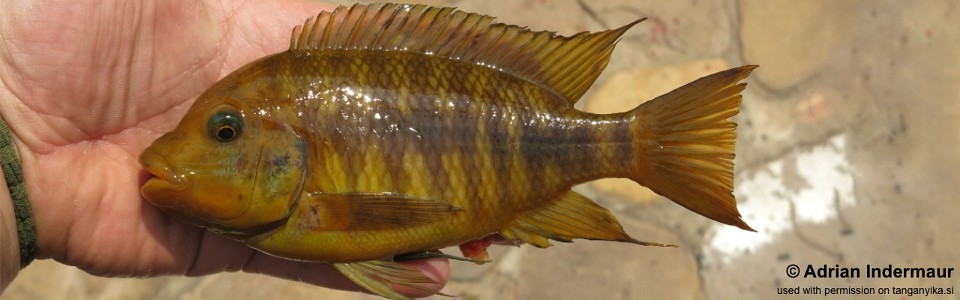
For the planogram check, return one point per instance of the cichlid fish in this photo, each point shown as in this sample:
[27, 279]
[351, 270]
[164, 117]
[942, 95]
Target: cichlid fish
[390, 129]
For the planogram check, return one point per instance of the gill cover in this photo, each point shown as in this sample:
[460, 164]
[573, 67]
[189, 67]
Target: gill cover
[280, 173]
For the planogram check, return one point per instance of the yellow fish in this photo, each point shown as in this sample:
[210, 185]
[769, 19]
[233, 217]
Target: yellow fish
[392, 129]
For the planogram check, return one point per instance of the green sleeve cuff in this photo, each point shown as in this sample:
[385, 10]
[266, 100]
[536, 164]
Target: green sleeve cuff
[10, 162]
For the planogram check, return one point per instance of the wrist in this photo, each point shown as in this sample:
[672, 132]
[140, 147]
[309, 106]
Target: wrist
[16, 214]
[9, 241]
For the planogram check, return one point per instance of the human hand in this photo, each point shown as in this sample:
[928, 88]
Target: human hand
[86, 86]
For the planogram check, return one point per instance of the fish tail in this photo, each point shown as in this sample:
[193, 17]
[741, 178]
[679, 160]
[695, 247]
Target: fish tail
[684, 145]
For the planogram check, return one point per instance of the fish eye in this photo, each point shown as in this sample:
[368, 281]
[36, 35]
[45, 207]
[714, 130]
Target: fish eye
[225, 126]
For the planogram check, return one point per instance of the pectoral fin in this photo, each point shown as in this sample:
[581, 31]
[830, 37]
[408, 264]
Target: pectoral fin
[374, 211]
[570, 217]
[376, 276]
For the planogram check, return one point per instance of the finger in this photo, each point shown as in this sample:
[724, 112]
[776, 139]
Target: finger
[217, 254]
[437, 269]
[314, 273]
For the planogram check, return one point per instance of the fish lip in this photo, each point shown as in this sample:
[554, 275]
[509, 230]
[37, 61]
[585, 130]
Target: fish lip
[163, 172]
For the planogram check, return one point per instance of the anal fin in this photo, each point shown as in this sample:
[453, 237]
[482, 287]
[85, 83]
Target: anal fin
[376, 276]
[571, 216]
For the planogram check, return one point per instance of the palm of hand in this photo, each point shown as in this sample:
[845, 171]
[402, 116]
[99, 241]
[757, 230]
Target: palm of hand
[86, 88]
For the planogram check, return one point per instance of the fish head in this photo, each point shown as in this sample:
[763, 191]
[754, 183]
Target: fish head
[230, 166]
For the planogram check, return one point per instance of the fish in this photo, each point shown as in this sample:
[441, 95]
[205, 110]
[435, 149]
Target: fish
[387, 131]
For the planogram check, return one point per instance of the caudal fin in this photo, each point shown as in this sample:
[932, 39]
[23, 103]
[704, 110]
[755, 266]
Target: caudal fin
[685, 145]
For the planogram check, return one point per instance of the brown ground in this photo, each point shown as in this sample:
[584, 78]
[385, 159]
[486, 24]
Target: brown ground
[846, 153]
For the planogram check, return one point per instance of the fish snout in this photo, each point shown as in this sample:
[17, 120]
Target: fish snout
[164, 176]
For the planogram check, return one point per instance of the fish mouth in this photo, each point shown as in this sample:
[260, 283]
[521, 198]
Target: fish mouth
[164, 176]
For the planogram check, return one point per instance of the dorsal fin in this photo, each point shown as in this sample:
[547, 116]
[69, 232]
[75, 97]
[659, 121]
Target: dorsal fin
[567, 65]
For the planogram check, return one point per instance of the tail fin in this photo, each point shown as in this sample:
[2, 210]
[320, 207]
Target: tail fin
[685, 145]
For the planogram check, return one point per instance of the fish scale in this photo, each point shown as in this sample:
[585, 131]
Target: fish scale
[531, 143]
